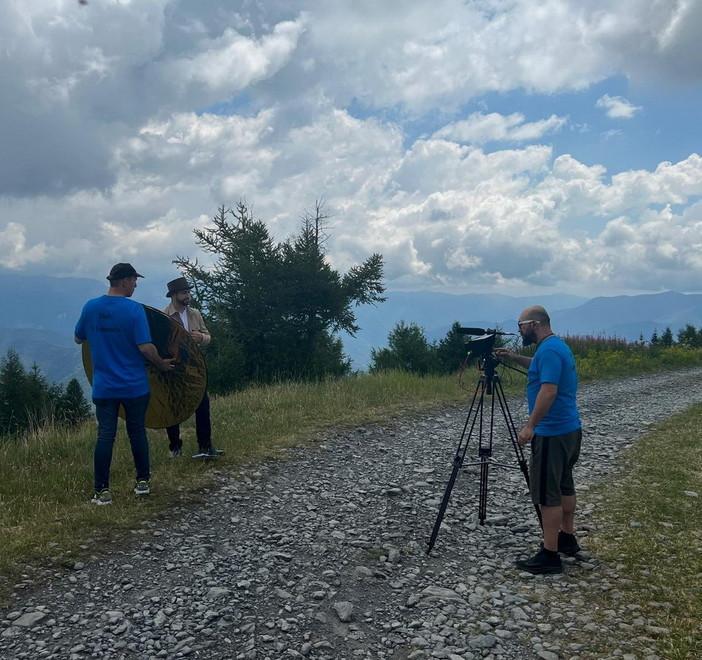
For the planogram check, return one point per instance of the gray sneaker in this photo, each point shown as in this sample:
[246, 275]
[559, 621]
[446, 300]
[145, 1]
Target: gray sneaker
[142, 487]
[102, 497]
[209, 452]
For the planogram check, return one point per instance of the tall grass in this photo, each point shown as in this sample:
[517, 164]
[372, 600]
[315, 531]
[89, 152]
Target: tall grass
[600, 358]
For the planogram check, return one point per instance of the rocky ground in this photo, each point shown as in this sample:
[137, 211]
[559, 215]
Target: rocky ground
[322, 556]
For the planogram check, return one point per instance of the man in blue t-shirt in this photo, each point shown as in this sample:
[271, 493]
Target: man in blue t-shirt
[119, 337]
[553, 429]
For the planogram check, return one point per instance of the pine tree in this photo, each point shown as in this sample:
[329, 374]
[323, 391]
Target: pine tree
[38, 405]
[688, 336]
[407, 350]
[667, 338]
[451, 350]
[72, 408]
[274, 308]
[13, 378]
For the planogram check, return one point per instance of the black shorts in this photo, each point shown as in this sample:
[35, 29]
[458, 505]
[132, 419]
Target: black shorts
[551, 467]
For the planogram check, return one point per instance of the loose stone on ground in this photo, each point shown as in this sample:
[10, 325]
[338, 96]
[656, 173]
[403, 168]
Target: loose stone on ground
[322, 556]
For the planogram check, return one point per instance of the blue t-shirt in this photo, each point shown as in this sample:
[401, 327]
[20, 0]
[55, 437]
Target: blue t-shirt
[115, 326]
[554, 363]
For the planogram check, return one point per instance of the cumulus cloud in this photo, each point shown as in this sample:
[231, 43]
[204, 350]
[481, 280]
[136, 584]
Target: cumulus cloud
[14, 252]
[77, 81]
[441, 213]
[479, 128]
[230, 62]
[617, 107]
[442, 54]
[125, 124]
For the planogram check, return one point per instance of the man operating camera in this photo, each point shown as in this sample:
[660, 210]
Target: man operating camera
[554, 431]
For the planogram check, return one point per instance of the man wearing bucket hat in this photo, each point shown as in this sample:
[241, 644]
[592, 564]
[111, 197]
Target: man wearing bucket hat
[191, 319]
[119, 338]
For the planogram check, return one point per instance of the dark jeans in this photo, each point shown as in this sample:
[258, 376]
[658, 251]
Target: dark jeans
[203, 427]
[106, 411]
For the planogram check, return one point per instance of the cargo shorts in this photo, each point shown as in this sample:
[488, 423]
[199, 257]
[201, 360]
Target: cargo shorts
[551, 467]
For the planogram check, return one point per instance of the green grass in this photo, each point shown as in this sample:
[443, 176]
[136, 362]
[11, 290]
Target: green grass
[658, 559]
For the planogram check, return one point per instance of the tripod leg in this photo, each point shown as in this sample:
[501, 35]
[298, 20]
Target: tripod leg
[474, 413]
[484, 473]
[485, 455]
[514, 438]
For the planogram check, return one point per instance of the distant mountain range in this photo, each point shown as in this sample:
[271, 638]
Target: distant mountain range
[40, 312]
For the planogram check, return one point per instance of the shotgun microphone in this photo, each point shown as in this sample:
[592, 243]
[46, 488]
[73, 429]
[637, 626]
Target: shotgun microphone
[482, 331]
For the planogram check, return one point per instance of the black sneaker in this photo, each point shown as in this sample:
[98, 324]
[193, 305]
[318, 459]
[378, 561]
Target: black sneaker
[541, 563]
[568, 544]
[175, 453]
[209, 452]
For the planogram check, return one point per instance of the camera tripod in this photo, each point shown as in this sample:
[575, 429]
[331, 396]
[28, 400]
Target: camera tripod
[489, 385]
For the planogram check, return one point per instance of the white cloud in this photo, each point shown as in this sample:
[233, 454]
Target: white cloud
[442, 214]
[13, 247]
[78, 80]
[617, 107]
[479, 128]
[125, 125]
[231, 62]
[443, 53]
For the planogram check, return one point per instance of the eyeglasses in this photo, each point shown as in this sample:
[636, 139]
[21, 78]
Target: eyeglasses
[521, 323]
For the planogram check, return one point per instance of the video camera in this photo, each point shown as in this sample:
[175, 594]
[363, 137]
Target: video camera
[483, 342]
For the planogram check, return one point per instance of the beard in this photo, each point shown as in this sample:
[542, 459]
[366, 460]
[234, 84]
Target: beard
[528, 338]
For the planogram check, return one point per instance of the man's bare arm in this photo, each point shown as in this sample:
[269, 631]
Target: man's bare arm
[521, 360]
[151, 354]
[544, 401]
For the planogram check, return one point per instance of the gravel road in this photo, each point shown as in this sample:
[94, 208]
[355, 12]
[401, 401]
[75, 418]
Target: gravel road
[320, 555]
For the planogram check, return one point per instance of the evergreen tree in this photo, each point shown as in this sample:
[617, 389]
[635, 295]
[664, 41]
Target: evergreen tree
[688, 336]
[38, 400]
[225, 359]
[240, 294]
[13, 377]
[667, 338]
[408, 350]
[655, 339]
[317, 300]
[72, 408]
[451, 350]
[274, 308]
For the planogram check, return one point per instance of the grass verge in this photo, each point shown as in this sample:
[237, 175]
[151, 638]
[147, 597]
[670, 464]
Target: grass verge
[650, 540]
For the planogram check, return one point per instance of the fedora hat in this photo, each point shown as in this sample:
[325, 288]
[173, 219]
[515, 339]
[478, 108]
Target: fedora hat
[178, 284]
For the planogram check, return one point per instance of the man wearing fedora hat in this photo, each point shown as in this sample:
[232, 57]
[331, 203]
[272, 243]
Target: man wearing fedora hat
[191, 319]
[119, 338]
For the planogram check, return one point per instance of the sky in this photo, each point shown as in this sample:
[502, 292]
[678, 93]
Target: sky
[484, 146]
